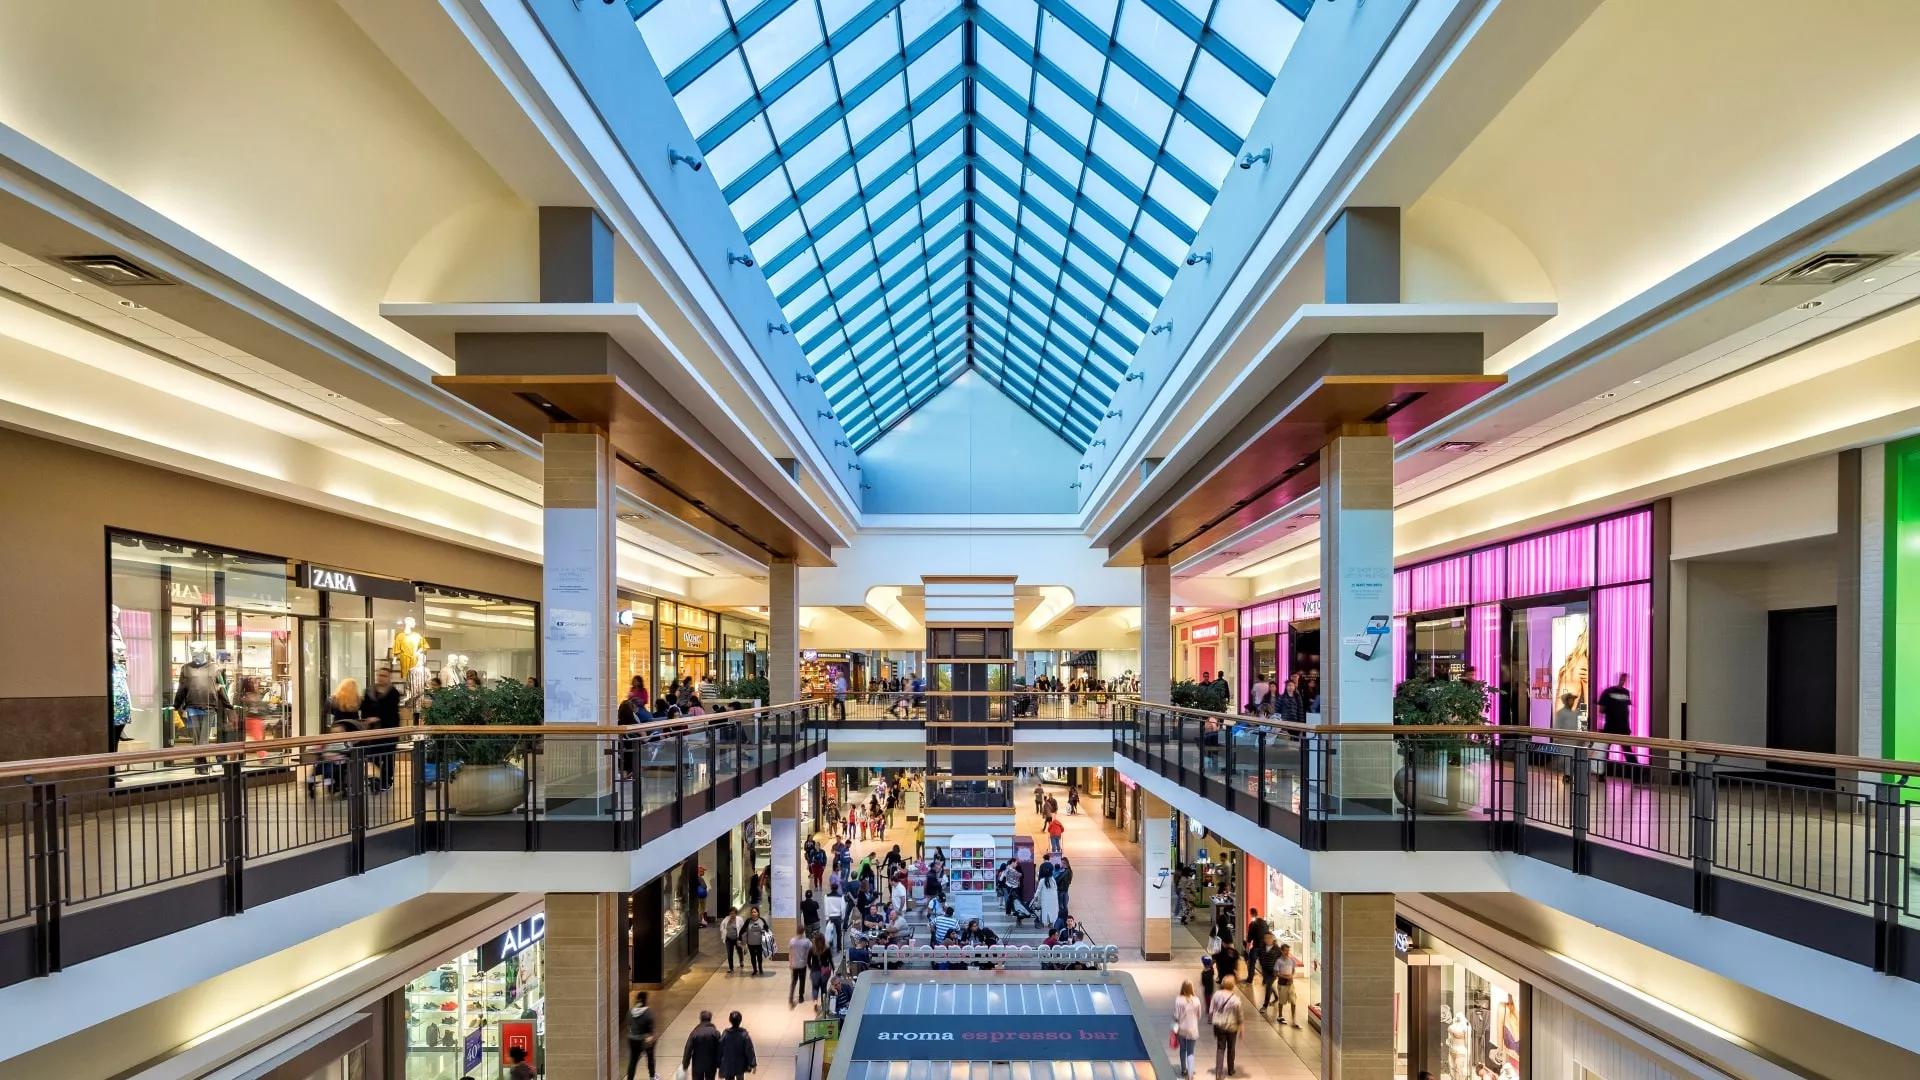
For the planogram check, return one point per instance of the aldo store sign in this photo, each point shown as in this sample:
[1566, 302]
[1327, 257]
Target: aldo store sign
[333, 579]
[515, 941]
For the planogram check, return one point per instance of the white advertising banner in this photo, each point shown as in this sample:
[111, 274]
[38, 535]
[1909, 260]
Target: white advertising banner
[573, 631]
[1156, 842]
[1360, 644]
[786, 855]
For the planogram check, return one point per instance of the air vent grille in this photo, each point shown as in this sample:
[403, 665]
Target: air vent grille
[484, 446]
[1829, 268]
[113, 271]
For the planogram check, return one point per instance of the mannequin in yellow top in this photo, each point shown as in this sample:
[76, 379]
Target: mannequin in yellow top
[408, 647]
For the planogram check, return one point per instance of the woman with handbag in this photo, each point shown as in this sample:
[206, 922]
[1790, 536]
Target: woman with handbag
[1186, 1029]
[1224, 1012]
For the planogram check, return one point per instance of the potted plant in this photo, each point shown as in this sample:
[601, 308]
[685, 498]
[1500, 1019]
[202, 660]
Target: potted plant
[751, 688]
[485, 779]
[1208, 697]
[1433, 777]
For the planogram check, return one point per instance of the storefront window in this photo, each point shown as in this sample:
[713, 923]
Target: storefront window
[1546, 662]
[744, 648]
[635, 643]
[1437, 646]
[1464, 1019]
[200, 646]
[464, 1015]
[493, 636]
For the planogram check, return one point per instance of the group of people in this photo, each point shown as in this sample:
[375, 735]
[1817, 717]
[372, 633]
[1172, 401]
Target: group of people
[1219, 1003]
[349, 710]
[681, 698]
[868, 820]
[1039, 891]
[1300, 696]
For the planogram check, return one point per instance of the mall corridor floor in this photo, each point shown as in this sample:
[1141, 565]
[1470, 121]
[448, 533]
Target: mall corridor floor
[1107, 898]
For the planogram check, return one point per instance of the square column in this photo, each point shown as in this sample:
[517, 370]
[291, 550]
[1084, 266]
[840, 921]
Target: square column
[586, 950]
[1356, 603]
[784, 897]
[1357, 986]
[577, 660]
[1156, 631]
[1156, 848]
[783, 638]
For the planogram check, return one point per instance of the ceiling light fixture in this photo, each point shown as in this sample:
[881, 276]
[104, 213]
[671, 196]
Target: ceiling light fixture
[1136, 376]
[1264, 157]
[779, 328]
[1457, 447]
[675, 157]
[1164, 327]
[804, 378]
[822, 414]
[387, 420]
[1075, 486]
[737, 259]
[1113, 414]
[1195, 258]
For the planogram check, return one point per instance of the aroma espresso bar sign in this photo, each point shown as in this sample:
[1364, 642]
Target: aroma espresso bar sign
[333, 579]
[998, 1038]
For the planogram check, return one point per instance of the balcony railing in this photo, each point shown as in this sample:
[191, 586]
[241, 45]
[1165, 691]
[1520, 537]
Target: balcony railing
[1028, 709]
[1812, 847]
[88, 867]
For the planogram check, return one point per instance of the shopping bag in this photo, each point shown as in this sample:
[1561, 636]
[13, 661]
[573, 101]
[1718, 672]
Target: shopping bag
[1173, 1040]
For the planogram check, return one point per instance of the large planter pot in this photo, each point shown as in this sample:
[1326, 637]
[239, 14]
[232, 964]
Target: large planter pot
[1437, 787]
[487, 789]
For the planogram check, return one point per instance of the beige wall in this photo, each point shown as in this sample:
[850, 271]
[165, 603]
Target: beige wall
[56, 504]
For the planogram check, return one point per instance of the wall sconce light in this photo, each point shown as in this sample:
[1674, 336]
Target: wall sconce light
[1096, 443]
[854, 466]
[818, 414]
[1195, 258]
[1136, 376]
[805, 379]
[1113, 414]
[779, 328]
[1084, 466]
[1164, 327]
[736, 259]
[1075, 486]
[675, 157]
[842, 442]
[1264, 157]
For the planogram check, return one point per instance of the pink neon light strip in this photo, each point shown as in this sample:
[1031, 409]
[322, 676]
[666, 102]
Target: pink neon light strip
[1483, 651]
[1626, 548]
[1437, 585]
[1260, 621]
[1489, 575]
[1623, 632]
[1552, 563]
[1402, 592]
[1399, 643]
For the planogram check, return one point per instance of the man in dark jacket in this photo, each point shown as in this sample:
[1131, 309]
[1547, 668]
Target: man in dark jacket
[736, 1050]
[1063, 880]
[380, 708]
[702, 1056]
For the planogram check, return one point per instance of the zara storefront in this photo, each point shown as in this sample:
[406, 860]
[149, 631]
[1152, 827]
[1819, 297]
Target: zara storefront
[1565, 611]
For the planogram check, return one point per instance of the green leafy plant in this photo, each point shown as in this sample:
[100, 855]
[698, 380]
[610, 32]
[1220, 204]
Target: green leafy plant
[504, 704]
[1209, 697]
[1440, 703]
[747, 689]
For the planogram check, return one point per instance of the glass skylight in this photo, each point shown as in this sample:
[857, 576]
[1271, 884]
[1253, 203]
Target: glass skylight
[930, 185]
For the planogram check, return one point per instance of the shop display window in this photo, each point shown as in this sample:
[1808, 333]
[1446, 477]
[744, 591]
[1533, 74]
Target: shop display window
[1465, 1021]
[1437, 646]
[673, 909]
[200, 647]
[1546, 659]
[462, 1016]
[493, 636]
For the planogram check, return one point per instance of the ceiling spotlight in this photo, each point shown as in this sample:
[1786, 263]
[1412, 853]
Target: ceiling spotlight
[864, 486]
[804, 378]
[854, 466]
[1264, 157]
[841, 442]
[1136, 376]
[822, 414]
[1166, 327]
[737, 259]
[779, 328]
[1096, 442]
[1075, 486]
[1113, 414]
[675, 157]
[1195, 258]
[131, 305]
[1084, 466]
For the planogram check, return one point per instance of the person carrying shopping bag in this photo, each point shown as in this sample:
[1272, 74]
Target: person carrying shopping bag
[1186, 1028]
[1224, 1012]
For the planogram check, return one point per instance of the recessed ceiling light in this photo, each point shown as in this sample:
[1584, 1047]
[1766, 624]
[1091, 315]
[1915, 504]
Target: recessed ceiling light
[1811, 304]
[1608, 396]
[1868, 281]
[1457, 447]
[1636, 382]
[131, 306]
[385, 420]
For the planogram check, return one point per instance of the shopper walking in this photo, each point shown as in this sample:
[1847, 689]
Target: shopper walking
[819, 964]
[736, 1050]
[1063, 880]
[1616, 708]
[1264, 958]
[1049, 898]
[1186, 1028]
[1010, 883]
[381, 709]
[730, 928]
[701, 1059]
[754, 934]
[799, 952]
[1039, 798]
[1054, 829]
[640, 1035]
[1224, 1012]
[1073, 798]
[1285, 969]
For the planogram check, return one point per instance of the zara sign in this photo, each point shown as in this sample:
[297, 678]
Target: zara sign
[333, 579]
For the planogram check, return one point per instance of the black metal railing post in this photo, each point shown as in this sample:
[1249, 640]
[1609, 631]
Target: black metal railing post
[529, 788]
[233, 837]
[1262, 809]
[1410, 750]
[1230, 799]
[679, 779]
[1705, 810]
[713, 770]
[1312, 813]
[1517, 813]
[417, 791]
[357, 793]
[1885, 875]
[1579, 802]
[49, 878]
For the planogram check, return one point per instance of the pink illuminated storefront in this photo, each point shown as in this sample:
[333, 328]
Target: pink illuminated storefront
[1559, 612]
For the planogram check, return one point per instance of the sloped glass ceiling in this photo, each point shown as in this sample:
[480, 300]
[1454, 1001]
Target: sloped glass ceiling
[930, 185]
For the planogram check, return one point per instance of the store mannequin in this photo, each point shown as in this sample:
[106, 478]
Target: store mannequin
[1459, 1047]
[409, 648]
[201, 697]
[120, 708]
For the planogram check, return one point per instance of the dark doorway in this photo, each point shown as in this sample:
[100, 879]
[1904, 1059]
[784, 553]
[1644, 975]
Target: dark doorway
[1802, 665]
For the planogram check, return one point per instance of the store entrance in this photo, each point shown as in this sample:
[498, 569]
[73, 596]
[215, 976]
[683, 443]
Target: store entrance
[1545, 660]
[331, 652]
[1305, 662]
[1437, 646]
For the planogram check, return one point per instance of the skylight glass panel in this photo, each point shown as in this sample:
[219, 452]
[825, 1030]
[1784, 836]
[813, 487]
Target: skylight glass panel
[933, 185]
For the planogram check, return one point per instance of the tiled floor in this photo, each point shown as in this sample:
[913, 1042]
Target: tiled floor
[1106, 896]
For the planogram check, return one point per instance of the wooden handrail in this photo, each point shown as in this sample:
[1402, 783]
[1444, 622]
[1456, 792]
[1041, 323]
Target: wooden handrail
[39, 768]
[1840, 762]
